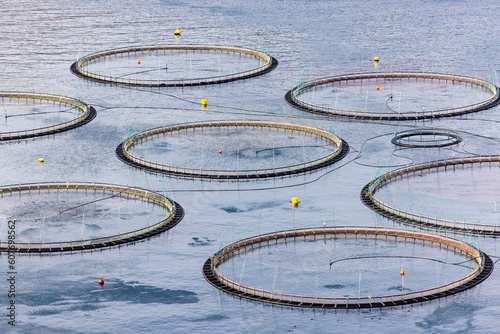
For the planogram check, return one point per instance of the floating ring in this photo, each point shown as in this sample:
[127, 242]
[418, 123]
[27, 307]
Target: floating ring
[122, 152]
[214, 277]
[78, 67]
[368, 197]
[293, 97]
[174, 216]
[407, 138]
[87, 114]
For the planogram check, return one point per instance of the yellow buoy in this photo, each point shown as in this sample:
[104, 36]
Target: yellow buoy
[295, 202]
[41, 160]
[203, 103]
[177, 32]
[376, 59]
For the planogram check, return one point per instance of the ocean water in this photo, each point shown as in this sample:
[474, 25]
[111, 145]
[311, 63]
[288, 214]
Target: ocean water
[156, 286]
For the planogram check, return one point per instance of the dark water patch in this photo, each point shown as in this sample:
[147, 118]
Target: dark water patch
[136, 292]
[457, 316]
[231, 209]
[252, 206]
[27, 327]
[398, 288]
[99, 210]
[255, 153]
[334, 286]
[86, 292]
[93, 227]
[59, 309]
[212, 317]
[165, 147]
[142, 213]
[200, 242]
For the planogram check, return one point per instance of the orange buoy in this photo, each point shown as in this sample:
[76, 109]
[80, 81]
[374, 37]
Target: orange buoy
[139, 62]
[220, 151]
[402, 272]
[378, 87]
[101, 281]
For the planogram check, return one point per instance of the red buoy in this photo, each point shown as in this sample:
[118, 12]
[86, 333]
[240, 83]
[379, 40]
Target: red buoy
[101, 281]
[220, 151]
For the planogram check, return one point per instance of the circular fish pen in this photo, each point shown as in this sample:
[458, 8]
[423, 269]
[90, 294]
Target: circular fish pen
[55, 210]
[23, 112]
[173, 65]
[268, 244]
[436, 171]
[266, 153]
[394, 96]
[426, 138]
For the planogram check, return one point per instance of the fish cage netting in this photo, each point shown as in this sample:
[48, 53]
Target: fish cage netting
[232, 149]
[394, 96]
[71, 216]
[440, 194]
[346, 267]
[28, 115]
[173, 65]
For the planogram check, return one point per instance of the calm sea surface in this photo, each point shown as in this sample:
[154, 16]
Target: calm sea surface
[157, 286]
